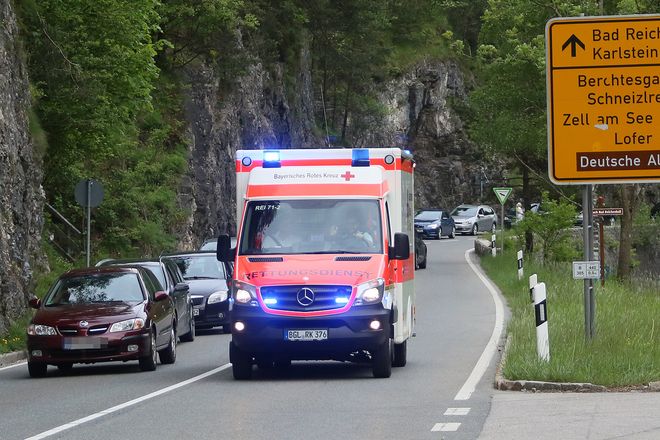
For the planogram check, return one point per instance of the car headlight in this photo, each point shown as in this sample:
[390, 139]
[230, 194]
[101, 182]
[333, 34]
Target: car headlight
[41, 330]
[434, 226]
[129, 324]
[217, 297]
[245, 293]
[370, 292]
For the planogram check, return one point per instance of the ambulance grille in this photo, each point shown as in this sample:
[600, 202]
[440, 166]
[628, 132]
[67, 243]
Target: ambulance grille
[367, 258]
[265, 259]
[325, 297]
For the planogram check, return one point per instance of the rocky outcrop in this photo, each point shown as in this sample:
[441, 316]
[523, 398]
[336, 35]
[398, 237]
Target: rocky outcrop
[21, 199]
[422, 117]
[259, 112]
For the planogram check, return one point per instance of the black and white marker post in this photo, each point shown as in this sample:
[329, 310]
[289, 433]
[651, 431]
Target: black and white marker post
[520, 265]
[541, 313]
[533, 281]
[493, 245]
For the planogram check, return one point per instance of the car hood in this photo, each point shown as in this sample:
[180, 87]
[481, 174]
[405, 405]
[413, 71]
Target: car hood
[462, 217]
[206, 286]
[426, 222]
[96, 313]
[310, 269]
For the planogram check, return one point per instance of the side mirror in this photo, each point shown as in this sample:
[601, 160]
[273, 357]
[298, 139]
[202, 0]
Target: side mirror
[161, 295]
[224, 252]
[401, 248]
[181, 287]
[34, 302]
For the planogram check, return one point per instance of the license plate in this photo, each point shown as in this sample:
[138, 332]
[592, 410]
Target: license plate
[195, 312]
[306, 335]
[84, 343]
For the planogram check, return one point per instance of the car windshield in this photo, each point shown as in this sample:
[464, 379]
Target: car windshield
[210, 245]
[465, 211]
[428, 215]
[96, 288]
[312, 227]
[200, 267]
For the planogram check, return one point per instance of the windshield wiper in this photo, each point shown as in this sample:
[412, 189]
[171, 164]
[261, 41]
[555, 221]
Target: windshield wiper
[197, 277]
[329, 252]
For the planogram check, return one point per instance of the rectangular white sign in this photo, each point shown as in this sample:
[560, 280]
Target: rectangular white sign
[586, 270]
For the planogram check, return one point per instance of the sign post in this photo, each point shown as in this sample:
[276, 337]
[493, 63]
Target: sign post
[502, 194]
[603, 109]
[89, 194]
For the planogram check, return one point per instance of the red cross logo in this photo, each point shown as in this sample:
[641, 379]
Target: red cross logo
[347, 176]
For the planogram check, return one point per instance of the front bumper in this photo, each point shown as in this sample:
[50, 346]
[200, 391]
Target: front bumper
[113, 347]
[212, 315]
[463, 227]
[265, 334]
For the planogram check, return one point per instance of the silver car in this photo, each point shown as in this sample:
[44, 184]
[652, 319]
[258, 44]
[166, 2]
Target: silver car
[472, 219]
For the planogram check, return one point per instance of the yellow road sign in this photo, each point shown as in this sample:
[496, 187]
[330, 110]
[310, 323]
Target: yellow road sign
[603, 92]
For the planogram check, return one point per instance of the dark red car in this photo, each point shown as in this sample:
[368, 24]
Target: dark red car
[102, 314]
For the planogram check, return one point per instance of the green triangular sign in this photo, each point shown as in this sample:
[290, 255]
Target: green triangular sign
[502, 194]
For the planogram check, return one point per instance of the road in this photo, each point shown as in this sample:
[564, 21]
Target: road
[441, 393]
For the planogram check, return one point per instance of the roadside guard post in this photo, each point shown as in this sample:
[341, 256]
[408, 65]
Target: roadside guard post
[541, 314]
[533, 281]
[520, 265]
[493, 245]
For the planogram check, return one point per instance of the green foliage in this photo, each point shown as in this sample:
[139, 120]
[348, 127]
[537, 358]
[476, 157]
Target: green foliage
[550, 226]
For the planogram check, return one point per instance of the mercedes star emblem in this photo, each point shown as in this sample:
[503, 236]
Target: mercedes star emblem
[305, 297]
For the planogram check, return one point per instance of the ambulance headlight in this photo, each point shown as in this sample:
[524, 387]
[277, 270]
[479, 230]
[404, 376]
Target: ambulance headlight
[370, 292]
[244, 293]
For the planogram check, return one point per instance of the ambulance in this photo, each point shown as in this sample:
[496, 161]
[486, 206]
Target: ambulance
[323, 265]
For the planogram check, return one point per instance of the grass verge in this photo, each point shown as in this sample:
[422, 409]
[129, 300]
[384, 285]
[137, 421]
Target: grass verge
[625, 351]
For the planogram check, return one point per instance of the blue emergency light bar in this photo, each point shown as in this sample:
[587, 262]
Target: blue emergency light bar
[272, 159]
[360, 157]
[270, 301]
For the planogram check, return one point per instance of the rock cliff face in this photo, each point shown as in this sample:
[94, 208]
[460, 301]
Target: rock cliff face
[261, 112]
[21, 199]
[421, 117]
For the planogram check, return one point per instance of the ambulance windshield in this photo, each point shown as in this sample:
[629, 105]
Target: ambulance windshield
[312, 227]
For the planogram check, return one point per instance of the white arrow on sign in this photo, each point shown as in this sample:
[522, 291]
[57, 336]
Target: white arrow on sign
[502, 194]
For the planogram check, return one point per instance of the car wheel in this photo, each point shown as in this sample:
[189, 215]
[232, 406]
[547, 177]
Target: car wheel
[400, 354]
[452, 234]
[148, 362]
[475, 229]
[37, 369]
[168, 355]
[422, 265]
[382, 360]
[241, 362]
[190, 335]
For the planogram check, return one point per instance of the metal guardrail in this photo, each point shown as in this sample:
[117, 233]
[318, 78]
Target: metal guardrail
[64, 236]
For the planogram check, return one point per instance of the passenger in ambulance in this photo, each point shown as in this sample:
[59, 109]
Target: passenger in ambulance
[356, 231]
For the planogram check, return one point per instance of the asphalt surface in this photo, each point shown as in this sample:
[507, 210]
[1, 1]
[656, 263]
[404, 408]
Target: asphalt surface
[436, 396]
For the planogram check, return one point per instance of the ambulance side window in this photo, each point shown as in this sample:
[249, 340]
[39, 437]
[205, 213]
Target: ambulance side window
[389, 227]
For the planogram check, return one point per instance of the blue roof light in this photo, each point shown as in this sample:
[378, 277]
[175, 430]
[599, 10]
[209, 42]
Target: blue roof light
[341, 300]
[270, 301]
[272, 159]
[360, 157]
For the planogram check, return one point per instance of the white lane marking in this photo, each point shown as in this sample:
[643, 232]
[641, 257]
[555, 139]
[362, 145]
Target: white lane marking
[491, 347]
[457, 411]
[12, 366]
[445, 427]
[121, 406]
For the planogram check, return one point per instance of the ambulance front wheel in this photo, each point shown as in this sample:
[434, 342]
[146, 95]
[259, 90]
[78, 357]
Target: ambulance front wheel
[382, 360]
[241, 362]
[400, 354]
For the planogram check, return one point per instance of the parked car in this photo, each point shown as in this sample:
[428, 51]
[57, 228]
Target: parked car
[435, 223]
[420, 252]
[102, 314]
[169, 276]
[472, 219]
[210, 244]
[207, 278]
